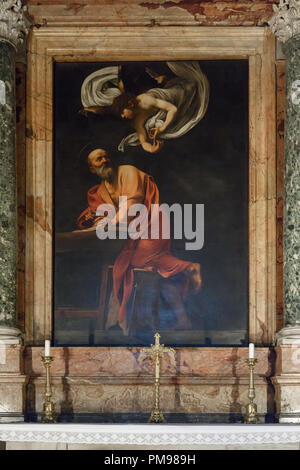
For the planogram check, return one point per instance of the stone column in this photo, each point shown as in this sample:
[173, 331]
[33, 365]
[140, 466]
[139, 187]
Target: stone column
[12, 35]
[285, 24]
[13, 32]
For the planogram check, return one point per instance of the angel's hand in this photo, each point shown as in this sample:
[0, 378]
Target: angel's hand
[153, 132]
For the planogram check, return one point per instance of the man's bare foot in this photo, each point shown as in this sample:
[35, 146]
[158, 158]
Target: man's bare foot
[194, 274]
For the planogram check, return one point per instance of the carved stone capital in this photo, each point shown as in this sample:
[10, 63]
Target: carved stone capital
[285, 23]
[13, 24]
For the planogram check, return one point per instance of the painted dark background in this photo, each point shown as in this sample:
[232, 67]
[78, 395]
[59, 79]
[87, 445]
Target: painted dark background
[208, 165]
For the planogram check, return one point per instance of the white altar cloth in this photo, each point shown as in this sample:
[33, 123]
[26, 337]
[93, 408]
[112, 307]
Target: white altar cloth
[152, 434]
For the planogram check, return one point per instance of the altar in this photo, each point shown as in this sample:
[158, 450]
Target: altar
[148, 436]
[215, 141]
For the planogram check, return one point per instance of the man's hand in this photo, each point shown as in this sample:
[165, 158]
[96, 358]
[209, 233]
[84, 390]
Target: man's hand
[157, 146]
[152, 148]
[102, 221]
[97, 220]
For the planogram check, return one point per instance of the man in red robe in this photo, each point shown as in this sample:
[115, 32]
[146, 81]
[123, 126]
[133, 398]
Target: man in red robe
[149, 254]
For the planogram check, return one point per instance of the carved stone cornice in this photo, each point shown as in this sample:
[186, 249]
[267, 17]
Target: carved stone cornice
[285, 23]
[13, 24]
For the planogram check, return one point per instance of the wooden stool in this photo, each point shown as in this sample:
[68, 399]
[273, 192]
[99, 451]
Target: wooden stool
[142, 307]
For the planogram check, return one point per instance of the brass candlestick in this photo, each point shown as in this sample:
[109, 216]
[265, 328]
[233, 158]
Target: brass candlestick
[49, 406]
[157, 351]
[251, 409]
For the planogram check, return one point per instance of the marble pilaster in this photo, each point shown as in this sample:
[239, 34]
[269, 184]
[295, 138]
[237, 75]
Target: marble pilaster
[8, 231]
[292, 185]
[12, 380]
[285, 24]
[12, 34]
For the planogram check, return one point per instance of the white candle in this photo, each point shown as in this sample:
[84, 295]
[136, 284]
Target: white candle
[251, 351]
[47, 347]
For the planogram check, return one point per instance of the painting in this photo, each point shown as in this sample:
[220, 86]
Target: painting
[151, 203]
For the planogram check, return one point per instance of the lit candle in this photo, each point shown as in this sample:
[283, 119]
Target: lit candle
[47, 347]
[251, 350]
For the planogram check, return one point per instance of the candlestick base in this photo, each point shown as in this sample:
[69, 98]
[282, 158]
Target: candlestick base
[251, 414]
[156, 417]
[49, 413]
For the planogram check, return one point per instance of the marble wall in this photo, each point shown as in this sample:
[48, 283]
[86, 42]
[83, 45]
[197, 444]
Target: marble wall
[12, 382]
[155, 12]
[120, 380]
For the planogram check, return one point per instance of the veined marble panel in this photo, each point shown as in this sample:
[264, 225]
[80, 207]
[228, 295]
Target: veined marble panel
[162, 12]
[130, 362]
[120, 380]
[89, 395]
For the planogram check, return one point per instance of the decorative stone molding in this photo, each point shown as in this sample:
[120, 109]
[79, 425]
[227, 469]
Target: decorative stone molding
[147, 435]
[155, 13]
[10, 335]
[288, 335]
[286, 21]
[13, 24]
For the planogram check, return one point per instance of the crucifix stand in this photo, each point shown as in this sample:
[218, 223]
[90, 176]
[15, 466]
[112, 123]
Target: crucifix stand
[157, 350]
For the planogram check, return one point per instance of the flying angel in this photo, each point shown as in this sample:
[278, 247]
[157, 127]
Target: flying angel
[158, 114]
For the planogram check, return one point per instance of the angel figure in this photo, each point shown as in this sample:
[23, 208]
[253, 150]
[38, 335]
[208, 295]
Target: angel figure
[161, 113]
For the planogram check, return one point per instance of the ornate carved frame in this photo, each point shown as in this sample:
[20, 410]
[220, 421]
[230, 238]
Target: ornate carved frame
[90, 43]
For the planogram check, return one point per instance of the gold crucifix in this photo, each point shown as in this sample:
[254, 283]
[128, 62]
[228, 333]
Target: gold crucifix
[157, 350]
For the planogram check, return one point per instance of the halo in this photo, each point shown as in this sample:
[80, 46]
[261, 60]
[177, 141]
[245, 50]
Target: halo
[88, 148]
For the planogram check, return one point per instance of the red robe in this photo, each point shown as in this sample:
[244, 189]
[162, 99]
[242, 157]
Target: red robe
[150, 254]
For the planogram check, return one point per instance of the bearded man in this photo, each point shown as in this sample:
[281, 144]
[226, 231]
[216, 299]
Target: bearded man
[149, 254]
